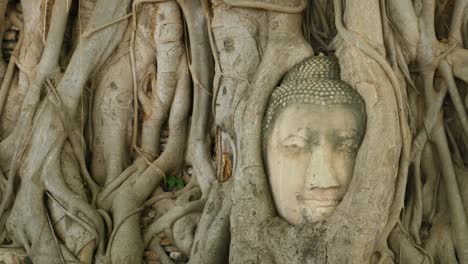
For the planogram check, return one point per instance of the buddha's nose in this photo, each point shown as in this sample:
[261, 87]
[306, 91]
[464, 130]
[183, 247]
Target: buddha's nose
[320, 171]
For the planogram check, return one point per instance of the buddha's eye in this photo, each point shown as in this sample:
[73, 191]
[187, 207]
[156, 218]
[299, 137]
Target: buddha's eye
[294, 144]
[292, 147]
[348, 146]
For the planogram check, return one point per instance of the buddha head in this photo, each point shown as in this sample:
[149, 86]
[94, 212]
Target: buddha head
[313, 128]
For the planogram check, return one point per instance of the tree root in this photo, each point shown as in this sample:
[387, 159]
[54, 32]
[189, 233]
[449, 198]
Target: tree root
[104, 197]
[183, 231]
[212, 238]
[171, 195]
[405, 249]
[199, 148]
[77, 208]
[455, 202]
[169, 58]
[267, 6]
[447, 74]
[403, 142]
[136, 190]
[7, 78]
[46, 66]
[167, 220]
[116, 230]
[162, 256]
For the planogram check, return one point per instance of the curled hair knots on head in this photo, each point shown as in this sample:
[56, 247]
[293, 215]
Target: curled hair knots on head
[315, 80]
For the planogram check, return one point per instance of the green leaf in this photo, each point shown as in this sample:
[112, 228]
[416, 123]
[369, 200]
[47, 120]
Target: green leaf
[180, 183]
[28, 260]
[171, 181]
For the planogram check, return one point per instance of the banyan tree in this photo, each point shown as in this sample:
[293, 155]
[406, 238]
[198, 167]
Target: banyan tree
[233, 131]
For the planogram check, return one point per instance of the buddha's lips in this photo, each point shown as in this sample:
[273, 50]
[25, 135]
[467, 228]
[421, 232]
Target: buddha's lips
[321, 197]
[320, 203]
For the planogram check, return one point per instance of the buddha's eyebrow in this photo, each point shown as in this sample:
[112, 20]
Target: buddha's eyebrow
[292, 136]
[346, 134]
[304, 133]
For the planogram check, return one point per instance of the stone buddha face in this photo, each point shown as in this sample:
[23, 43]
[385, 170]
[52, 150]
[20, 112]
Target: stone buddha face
[313, 130]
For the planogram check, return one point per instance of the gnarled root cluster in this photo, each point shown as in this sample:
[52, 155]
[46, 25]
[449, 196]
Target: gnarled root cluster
[131, 130]
[51, 205]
